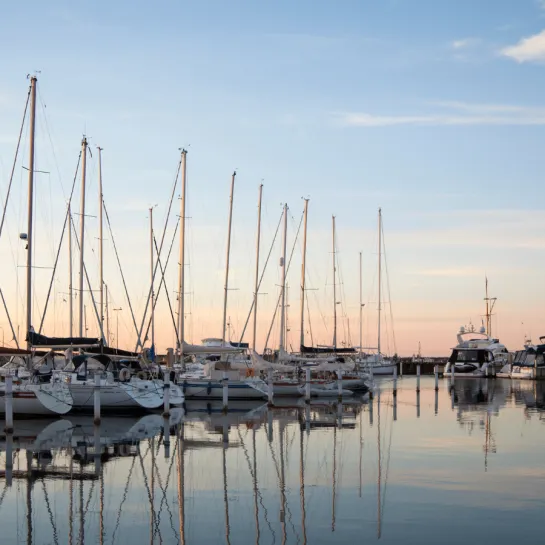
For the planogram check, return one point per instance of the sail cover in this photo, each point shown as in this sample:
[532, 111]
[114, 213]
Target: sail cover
[326, 350]
[35, 339]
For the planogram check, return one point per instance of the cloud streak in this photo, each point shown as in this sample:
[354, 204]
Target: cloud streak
[452, 114]
[530, 49]
[464, 43]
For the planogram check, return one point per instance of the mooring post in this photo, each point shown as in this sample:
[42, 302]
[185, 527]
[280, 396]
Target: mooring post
[418, 378]
[395, 381]
[436, 373]
[97, 449]
[307, 385]
[340, 384]
[166, 436]
[96, 400]
[225, 392]
[166, 397]
[271, 387]
[9, 404]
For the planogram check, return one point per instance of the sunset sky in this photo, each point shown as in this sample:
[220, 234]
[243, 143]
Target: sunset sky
[433, 111]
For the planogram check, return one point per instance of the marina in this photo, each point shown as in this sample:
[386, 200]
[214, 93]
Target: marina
[389, 469]
[272, 273]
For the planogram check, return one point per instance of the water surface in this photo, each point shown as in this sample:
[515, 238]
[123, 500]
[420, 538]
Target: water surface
[463, 464]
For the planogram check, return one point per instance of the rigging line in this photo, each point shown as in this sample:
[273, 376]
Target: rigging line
[124, 498]
[139, 333]
[388, 284]
[49, 135]
[14, 163]
[121, 272]
[163, 283]
[261, 278]
[287, 270]
[164, 499]
[87, 277]
[66, 219]
[9, 318]
[309, 324]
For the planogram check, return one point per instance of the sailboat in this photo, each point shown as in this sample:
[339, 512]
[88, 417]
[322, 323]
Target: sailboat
[377, 364]
[46, 394]
[215, 374]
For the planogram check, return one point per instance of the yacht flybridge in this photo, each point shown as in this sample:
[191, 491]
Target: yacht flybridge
[477, 354]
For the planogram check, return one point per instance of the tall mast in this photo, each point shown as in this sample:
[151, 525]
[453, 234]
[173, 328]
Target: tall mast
[487, 306]
[70, 290]
[152, 255]
[30, 235]
[334, 291]
[379, 275]
[361, 309]
[283, 285]
[303, 275]
[107, 316]
[100, 246]
[257, 265]
[82, 232]
[228, 254]
[181, 275]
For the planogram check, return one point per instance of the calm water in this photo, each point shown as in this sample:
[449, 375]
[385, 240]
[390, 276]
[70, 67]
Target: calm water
[467, 465]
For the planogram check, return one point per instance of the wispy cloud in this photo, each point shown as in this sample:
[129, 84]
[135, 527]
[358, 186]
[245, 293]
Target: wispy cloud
[531, 49]
[452, 114]
[464, 43]
[451, 272]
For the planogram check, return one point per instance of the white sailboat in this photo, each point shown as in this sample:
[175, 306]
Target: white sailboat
[377, 364]
[215, 373]
[32, 396]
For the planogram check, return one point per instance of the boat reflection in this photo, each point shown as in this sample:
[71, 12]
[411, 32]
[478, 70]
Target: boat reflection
[294, 473]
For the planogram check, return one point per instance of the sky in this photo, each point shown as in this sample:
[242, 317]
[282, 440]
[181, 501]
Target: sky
[431, 110]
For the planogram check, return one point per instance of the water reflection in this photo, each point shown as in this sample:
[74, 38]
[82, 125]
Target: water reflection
[390, 468]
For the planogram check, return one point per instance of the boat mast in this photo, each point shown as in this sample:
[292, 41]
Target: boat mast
[490, 302]
[361, 309]
[228, 253]
[181, 275]
[334, 292]
[107, 316]
[30, 235]
[151, 277]
[70, 289]
[257, 265]
[283, 285]
[100, 245]
[82, 232]
[379, 276]
[303, 275]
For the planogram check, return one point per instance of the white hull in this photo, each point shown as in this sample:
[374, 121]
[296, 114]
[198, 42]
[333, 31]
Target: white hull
[38, 399]
[213, 389]
[136, 394]
[287, 389]
[378, 368]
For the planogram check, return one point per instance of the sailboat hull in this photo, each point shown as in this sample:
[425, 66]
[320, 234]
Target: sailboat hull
[38, 399]
[213, 389]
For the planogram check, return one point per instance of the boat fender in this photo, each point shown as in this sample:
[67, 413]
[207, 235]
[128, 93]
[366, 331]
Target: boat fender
[124, 375]
[249, 372]
[209, 388]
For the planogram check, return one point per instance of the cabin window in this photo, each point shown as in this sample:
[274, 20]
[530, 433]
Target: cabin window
[467, 356]
[539, 359]
[530, 359]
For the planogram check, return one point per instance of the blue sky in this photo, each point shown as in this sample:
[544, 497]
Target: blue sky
[431, 109]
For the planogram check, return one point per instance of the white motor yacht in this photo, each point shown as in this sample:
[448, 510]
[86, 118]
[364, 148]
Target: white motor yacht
[476, 354]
